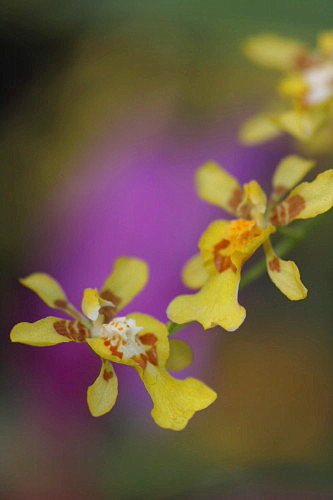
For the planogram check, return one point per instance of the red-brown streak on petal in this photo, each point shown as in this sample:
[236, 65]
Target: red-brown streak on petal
[73, 330]
[106, 342]
[141, 360]
[278, 190]
[62, 304]
[279, 216]
[245, 210]
[235, 199]
[296, 204]
[148, 339]
[287, 210]
[274, 264]
[115, 352]
[109, 311]
[152, 356]
[302, 61]
[221, 245]
[107, 374]
[224, 262]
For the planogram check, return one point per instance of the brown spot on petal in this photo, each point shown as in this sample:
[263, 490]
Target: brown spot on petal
[220, 246]
[287, 210]
[279, 190]
[107, 374]
[148, 339]
[152, 356]
[274, 264]
[302, 61]
[295, 204]
[224, 262]
[109, 311]
[141, 360]
[114, 351]
[62, 304]
[235, 199]
[73, 330]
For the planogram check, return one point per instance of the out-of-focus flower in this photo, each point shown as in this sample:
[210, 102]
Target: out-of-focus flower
[136, 340]
[307, 85]
[226, 245]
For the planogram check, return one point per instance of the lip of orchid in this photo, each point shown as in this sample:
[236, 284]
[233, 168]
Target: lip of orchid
[122, 332]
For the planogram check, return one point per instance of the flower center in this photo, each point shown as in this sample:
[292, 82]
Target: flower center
[240, 231]
[121, 335]
[319, 80]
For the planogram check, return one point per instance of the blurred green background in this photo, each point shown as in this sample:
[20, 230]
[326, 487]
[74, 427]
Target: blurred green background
[75, 74]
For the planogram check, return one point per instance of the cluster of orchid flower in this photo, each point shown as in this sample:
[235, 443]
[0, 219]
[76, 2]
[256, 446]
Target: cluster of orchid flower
[143, 342]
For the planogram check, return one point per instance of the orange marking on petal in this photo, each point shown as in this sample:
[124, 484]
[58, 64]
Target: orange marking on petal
[62, 304]
[245, 210]
[152, 356]
[287, 210]
[141, 360]
[107, 374]
[274, 264]
[224, 262]
[279, 215]
[148, 339]
[235, 199]
[295, 204]
[109, 311]
[73, 330]
[223, 244]
[303, 61]
[115, 352]
[278, 190]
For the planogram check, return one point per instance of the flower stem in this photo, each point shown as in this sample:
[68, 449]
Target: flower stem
[291, 236]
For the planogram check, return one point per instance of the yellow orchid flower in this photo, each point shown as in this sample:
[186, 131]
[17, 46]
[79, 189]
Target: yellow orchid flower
[226, 244]
[136, 340]
[307, 84]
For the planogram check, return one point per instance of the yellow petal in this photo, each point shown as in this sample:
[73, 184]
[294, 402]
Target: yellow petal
[215, 304]
[242, 237]
[47, 288]
[44, 332]
[180, 355]
[325, 42]
[215, 185]
[149, 325]
[102, 394]
[284, 274]
[302, 124]
[127, 279]
[90, 303]
[259, 128]
[194, 274]
[289, 172]
[255, 198]
[306, 200]
[273, 51]
[152, 325]
[175, 401]
[214, 233]
[293, 86]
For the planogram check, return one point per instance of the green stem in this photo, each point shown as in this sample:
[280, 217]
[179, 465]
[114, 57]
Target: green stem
[291, 236]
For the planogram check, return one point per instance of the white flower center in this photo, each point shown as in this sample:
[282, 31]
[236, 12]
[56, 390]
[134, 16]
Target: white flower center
[122, 334]
[319, 79]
